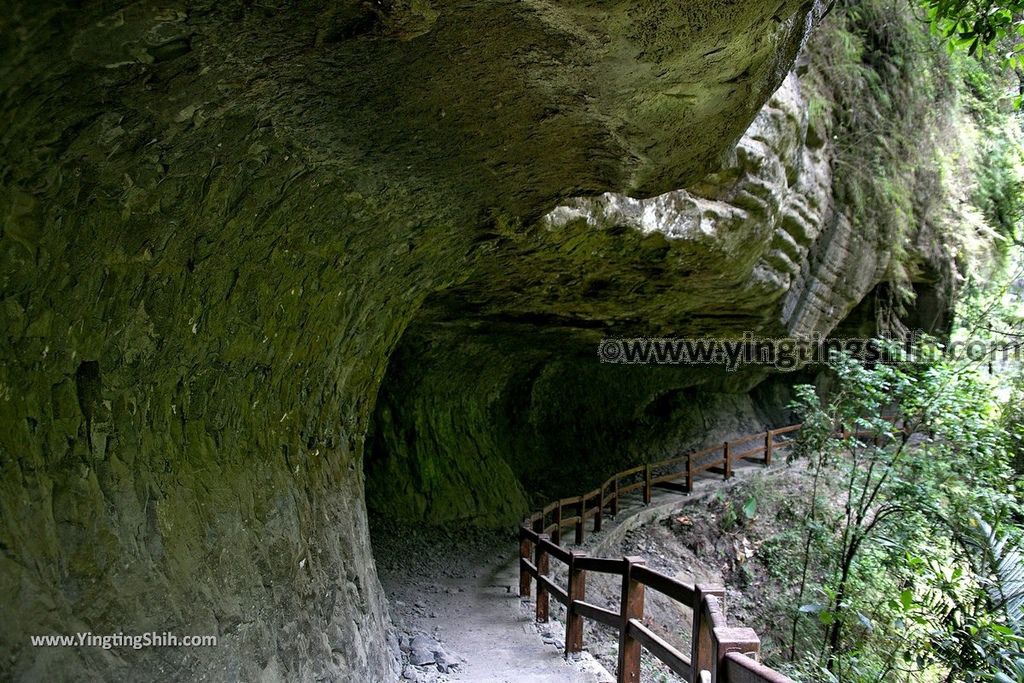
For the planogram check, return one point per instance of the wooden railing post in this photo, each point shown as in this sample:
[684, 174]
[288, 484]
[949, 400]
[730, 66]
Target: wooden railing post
[615, 498]
[581, 521]
[556, 535]
[524, 554]
[733, 639]
[689, 472]
[632, 608]
[541, 561]
[728, 460]
[769, 443]
[538, 523]
[577, 591]
[647, 484]
[702, 648]
[599, 515]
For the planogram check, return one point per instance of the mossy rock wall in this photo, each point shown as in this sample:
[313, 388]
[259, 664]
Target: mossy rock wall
[863, 194]
[218, 219]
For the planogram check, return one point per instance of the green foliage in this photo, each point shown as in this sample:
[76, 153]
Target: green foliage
[999, 189]
[750, 509]
[979, 26]
[1003, 560]
[732, 517]
[900, 597]
[1013, 423]
[729, 519]
[991, 309]
[894, 581]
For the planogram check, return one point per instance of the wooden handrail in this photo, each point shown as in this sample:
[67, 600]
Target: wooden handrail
[746, 439]
[556, 550]
[556, 591]
[678, 591]
[719, 653]
[623, 490]
[671, 461]
[598, 614]
[703, 628]
[744, 455]
[786, 430]
[632, 470]
[601, 565]
[631, 606]
[740, 668]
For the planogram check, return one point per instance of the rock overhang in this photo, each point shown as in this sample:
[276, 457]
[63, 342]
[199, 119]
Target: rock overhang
[231, 211]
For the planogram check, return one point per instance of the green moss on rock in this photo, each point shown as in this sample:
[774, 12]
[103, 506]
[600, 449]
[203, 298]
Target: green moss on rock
[219, 217]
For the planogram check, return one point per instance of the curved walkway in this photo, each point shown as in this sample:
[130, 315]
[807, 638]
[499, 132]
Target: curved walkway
[501, 643]
[471, 606]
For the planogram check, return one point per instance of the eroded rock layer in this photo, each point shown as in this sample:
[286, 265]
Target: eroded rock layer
[849, 206]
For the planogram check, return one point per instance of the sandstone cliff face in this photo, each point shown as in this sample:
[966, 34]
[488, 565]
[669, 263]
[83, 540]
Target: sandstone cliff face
[497, 383]
[218, 220]
[740, 241]
[762, 238]
[503, 370]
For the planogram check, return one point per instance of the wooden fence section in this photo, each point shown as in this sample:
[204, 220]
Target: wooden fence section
[720, 653]
[674, 474]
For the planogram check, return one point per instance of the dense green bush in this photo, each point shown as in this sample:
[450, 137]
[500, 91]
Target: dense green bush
[908, 591]
[979, 27]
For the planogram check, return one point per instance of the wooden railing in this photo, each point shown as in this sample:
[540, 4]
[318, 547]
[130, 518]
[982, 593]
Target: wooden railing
[719, 653]
[674, 474]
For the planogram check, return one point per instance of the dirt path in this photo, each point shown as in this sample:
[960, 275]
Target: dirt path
[458, 595]
[500, 640]
[463, 597]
